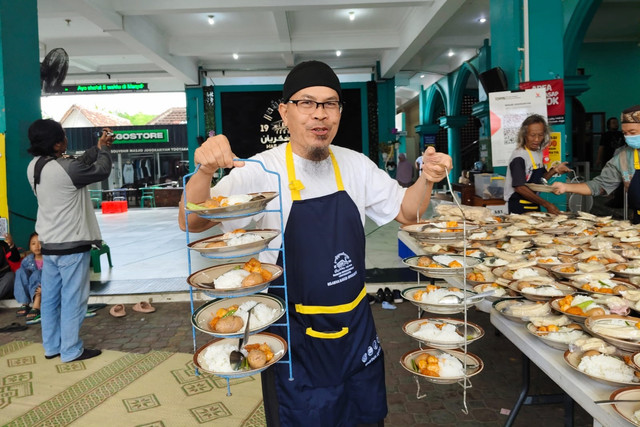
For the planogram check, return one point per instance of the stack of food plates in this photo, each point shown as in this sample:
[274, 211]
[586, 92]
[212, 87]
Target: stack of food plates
[230, 280]
[234, 244]
[441, 266]
[441, 366]
[443, 332]
[266, 310]
[213, 357]
[437, 299]
[231, 207]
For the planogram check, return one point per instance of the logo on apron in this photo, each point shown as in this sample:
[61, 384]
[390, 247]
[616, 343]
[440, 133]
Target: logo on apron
[372, 353]
[343, 269]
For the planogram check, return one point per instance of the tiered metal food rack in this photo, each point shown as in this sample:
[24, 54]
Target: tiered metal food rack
[240, 374]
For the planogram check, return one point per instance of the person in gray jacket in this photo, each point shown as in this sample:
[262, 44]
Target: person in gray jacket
[67, 227]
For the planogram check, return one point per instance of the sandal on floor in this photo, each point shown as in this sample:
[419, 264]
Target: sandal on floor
[14, 327]
[118, 311]
[34, 320]
[144, 307]
[33, 313]
[96, 306]
[23, 310]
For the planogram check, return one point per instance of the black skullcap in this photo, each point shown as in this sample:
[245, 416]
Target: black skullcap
[631, 115]
[308, 74]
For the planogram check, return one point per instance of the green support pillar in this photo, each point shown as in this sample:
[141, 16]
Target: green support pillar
[19, 107]
[386, 114]
[546, 59]
[453, 124]
[195, 120]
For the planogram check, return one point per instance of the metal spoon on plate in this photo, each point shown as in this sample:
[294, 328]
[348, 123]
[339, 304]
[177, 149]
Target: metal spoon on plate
[236, 357]
[455, 299]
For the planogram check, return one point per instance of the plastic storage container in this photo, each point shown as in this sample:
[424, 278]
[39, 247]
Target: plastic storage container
[116, 206]
[489, 186]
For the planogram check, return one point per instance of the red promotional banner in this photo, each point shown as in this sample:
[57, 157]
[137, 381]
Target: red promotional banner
[555, 98]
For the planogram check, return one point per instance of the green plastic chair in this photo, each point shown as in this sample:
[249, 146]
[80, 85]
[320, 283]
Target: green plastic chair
[148, 193]
[96, 196]
[95, 256]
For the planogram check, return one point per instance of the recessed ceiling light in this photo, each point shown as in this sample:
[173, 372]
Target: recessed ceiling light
[338, 52]
[450, 53]
[482, 20]
[422, 76]
[352, 15]
[211, 21]
[235, 56]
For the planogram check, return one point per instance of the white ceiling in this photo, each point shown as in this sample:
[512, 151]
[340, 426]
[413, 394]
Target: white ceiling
[166, 43]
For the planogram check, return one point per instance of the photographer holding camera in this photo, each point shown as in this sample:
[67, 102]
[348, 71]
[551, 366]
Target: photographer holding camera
[67, 227]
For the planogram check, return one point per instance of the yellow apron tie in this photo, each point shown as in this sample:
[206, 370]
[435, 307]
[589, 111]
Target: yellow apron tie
[327, 335]
[296, 185]
[535, 166]
[331, 309]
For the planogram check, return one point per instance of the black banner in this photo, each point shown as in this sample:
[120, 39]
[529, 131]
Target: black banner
[252, 123]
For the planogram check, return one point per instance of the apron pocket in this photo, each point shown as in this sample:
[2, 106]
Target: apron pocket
[322, 348]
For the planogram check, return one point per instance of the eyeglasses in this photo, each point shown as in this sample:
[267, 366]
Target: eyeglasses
[306, 106]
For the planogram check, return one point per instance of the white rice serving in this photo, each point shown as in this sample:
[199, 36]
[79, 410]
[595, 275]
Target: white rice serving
[216, 358]
[603, 366]
[429, 331]
[231, 279]
[434, 297]
[238, 199]
[450, 366]
[261, 314]
[565, 337]
[243, 238]
[524, 272]
[547, 291]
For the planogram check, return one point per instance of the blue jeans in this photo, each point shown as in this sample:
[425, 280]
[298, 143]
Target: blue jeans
[65, 292]
[24, 289]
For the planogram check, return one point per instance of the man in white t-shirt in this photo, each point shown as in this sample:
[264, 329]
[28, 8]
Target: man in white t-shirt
[336, 357]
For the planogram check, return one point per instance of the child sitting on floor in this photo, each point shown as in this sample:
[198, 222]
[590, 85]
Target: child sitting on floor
[26, 287]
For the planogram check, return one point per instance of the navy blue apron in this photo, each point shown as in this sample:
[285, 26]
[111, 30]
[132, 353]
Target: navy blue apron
[517, 203]
[338, 365]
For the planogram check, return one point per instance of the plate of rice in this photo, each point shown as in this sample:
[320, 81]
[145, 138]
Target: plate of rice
[605, 368]
[500, 291]
[235, 244]
[620, 331]
[521, 310]
[540, 290]
[267, 309]
[630, 269]
[226, 280]
[441, 366]
[506, 272]
[630, 411]
[441, 332]
[233, 206]
[213, 357]
[558, 337]
[439, 266]
[427, 298]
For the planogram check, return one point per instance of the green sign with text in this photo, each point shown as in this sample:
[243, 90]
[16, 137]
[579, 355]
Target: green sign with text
[106, 87]
[140, 136]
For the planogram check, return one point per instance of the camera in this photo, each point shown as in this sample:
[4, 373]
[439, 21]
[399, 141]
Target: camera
[99, 134]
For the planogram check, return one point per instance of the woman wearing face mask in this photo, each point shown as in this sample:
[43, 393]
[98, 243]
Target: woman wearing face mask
[526, 167]
[622, 167]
